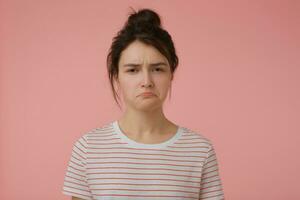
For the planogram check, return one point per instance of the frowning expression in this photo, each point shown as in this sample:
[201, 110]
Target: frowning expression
[142, 68]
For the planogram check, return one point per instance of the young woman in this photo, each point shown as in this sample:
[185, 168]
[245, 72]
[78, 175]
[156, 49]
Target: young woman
[142, 155]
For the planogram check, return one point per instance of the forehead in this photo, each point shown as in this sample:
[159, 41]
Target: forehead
[139, 52]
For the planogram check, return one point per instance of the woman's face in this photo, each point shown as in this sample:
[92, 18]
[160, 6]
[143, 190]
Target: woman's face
[142, 68]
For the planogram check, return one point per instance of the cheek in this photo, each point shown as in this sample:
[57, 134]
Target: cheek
[164, 83]
[127, 87]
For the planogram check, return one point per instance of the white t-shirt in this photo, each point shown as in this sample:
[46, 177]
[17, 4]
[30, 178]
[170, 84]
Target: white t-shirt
[107, 165]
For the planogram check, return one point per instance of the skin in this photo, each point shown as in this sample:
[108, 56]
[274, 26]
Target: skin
[144, 120]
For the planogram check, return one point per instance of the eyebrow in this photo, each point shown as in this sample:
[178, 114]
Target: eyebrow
[136, 65]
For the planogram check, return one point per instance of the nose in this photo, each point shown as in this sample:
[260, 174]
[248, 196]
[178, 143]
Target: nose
[147, 80]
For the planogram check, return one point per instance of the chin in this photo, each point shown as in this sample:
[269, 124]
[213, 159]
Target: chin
[148, 106]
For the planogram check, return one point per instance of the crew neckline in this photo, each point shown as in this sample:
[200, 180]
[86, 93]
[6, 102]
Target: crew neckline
[145, 145]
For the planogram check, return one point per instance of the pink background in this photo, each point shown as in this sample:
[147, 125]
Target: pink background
[237, 83]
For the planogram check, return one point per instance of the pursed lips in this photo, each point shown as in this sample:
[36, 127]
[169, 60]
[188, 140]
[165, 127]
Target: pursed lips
[147, 94]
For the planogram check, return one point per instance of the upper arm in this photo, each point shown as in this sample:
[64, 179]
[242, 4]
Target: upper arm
[75, 182]
[211, 184]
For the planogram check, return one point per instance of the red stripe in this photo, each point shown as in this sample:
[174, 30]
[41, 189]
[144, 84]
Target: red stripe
[138, 190]
[148, 174]
[140, 163]
[197, 142]
[80, 165]
[159, 159]
[76, 183]
[211, 177]
[210, 191]
[75, 174]
[82, 145]
[148, 179]
[106, 143]
[67, 186]
[139, 149]
[134, 168]
[143, 154]
[76, 169]
[189, 197]
[71, 192]
[84, 139]
[219, 185]
[105, 139]
[118, 183]
[78, 153]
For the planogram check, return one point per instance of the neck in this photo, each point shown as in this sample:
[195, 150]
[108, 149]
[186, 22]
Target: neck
[142, 124]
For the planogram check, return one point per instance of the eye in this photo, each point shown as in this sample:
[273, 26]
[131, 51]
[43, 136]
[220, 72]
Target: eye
[158, 69]
[131, 70]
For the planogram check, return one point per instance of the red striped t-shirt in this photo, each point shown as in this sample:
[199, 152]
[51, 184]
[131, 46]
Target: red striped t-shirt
[105, 164]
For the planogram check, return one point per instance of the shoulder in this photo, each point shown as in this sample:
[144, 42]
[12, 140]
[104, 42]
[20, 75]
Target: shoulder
[104, 129]
[196, 136]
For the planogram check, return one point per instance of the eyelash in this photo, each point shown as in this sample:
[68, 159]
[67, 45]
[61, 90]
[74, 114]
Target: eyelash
[130, 70]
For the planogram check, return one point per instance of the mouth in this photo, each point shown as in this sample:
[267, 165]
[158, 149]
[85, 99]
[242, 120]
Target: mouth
[147, 94]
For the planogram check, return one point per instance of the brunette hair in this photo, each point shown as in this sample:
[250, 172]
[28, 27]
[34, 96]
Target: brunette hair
[144, 26]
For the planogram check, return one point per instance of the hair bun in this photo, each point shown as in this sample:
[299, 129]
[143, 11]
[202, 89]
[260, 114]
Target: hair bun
[144, 18]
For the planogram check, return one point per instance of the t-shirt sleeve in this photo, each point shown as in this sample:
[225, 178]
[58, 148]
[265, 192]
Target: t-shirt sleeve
[211, 186]
[75, 182]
